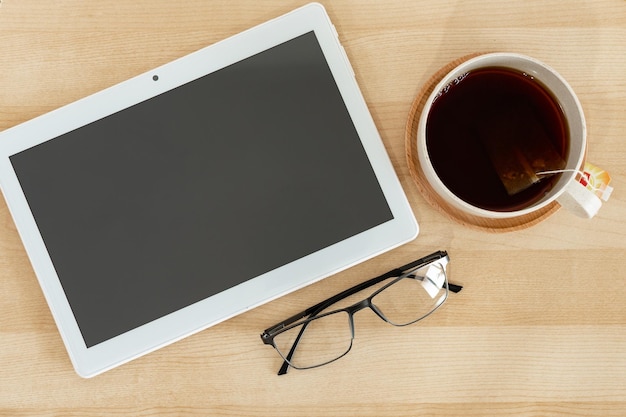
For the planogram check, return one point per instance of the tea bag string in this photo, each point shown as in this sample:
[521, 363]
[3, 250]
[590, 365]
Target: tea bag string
[582, 174]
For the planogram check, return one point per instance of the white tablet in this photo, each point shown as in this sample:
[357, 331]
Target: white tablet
[194, 192]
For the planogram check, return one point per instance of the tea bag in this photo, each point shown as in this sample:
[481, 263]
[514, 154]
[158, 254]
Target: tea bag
[519, 147]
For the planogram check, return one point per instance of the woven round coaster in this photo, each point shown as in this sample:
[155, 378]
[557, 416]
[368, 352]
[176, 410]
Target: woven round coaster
[476, 222]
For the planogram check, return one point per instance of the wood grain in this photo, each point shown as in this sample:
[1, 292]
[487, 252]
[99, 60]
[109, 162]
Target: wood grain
[540, 327]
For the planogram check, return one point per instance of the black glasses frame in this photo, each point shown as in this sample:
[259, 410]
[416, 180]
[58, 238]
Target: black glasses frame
[311, 313]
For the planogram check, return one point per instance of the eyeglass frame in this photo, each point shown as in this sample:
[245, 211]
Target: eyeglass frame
[312, 312]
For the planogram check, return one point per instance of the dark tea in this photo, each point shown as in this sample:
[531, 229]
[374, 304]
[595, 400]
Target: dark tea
[490, 132]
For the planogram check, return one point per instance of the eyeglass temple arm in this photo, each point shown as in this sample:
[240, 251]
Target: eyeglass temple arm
[317, 308]
[285, 366]
[314, 310]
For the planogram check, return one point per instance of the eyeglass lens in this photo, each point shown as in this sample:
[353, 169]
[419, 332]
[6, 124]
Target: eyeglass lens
[412, 297]
[322, 340]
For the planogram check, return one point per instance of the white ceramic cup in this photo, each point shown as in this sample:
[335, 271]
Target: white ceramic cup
[567, 191]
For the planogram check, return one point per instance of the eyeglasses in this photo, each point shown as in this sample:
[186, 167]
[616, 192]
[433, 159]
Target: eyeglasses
[316, 336]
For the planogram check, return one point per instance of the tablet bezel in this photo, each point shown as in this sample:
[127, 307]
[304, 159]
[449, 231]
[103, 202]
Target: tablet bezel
[264, 288]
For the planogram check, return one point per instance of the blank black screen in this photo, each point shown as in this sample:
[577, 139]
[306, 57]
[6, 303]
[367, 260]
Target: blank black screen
[201, 188]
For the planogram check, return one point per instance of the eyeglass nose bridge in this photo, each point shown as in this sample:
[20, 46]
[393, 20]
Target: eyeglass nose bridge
[362, 305]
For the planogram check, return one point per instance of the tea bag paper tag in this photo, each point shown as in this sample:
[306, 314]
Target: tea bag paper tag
[596, 180]
[434, 279]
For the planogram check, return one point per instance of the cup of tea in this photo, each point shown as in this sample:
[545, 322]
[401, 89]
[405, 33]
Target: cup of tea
[502, 136]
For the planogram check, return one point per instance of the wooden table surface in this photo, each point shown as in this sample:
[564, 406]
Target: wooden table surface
[540, 328]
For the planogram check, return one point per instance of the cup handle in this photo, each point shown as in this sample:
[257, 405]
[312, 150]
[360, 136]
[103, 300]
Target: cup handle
[579, 200]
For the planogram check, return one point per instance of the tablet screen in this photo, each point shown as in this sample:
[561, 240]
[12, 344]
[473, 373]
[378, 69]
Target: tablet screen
[194, 191]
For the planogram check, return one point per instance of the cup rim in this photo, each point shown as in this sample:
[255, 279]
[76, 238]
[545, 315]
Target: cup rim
[443, 190]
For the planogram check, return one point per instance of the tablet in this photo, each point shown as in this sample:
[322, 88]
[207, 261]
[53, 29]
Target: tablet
[193, 192]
